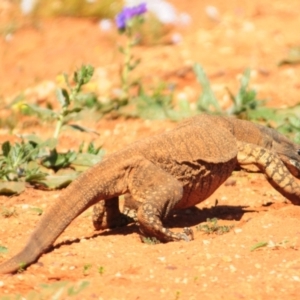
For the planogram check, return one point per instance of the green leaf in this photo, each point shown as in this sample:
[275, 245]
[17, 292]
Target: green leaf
[50, 143]
[63, 97]
[93, 150]
[73, 110]
[3, 249]
[264, 114]
[59, 181]
[259, 245]
[292, 58]
[121, 49]
[36, 210]
[73, 291]
[84, 74]
[81, 128]
[6, 148]
[54, 286]
[11, 188]
[88, 100]
[295, 122]
[207, 101]
[245, 104]
[59, 160]
[42, 112]
[156, 106]
[33, 138]
[35, 176]
[84, 161]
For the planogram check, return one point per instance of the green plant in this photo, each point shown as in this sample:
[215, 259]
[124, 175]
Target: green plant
[207, 101]
[56, 290]
[156, 104]
[177, 295]
[290, 124]
[22, 267]
[67, 100]
[57, 160]
[245, 102]
[36, 210]
[292, 58]
[150, 240]
[76, 8]
[101, 270]
[91, 149]
[212, 226]
[272, 245]
[15, 162]
[3, 250]
[8, 212]
[86, 269]
[128, 22]
[31, 159]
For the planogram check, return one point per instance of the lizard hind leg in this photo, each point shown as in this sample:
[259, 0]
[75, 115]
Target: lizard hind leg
[130, 207]
[157, 193]
[106, 214]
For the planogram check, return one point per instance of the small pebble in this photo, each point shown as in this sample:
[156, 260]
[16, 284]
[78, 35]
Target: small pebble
[257, 266]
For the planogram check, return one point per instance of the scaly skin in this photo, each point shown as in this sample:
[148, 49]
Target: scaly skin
[177, 169]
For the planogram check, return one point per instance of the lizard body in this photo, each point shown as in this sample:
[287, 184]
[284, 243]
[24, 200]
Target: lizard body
[176, 169]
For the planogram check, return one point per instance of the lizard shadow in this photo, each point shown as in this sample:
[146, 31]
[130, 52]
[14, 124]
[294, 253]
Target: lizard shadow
[180, 219]
[194, 215]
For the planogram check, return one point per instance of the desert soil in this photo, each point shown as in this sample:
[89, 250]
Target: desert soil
[115, 264]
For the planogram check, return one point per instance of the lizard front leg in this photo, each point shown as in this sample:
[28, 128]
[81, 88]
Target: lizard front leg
[271, 165]
[157, 193]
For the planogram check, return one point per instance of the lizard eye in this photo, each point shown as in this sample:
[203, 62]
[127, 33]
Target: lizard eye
[298, 151]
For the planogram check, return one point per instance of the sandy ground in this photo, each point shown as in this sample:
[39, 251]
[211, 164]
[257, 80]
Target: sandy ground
[85, 264]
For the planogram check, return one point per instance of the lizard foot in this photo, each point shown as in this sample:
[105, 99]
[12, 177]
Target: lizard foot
[187, 236]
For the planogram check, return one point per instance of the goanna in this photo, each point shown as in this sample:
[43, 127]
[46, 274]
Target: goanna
[174, 170]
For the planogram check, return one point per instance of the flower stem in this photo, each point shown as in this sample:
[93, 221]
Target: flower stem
[59, 123]
[126, 68]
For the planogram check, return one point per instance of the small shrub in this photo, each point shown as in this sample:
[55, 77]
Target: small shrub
[212, 227]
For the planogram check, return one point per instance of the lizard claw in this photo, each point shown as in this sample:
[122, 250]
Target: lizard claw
[189, 231]
[187, 235]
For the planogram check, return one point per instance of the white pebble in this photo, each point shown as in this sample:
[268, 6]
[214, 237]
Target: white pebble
[162, 258]
[105, 25]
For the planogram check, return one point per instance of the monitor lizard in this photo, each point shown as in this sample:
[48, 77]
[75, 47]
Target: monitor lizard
[173, 170]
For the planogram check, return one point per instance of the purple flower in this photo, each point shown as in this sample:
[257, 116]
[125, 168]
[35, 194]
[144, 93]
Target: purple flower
[129, 13]
[139, 9]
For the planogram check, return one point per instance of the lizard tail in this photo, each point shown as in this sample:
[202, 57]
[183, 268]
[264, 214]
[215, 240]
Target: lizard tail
[85, 191]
